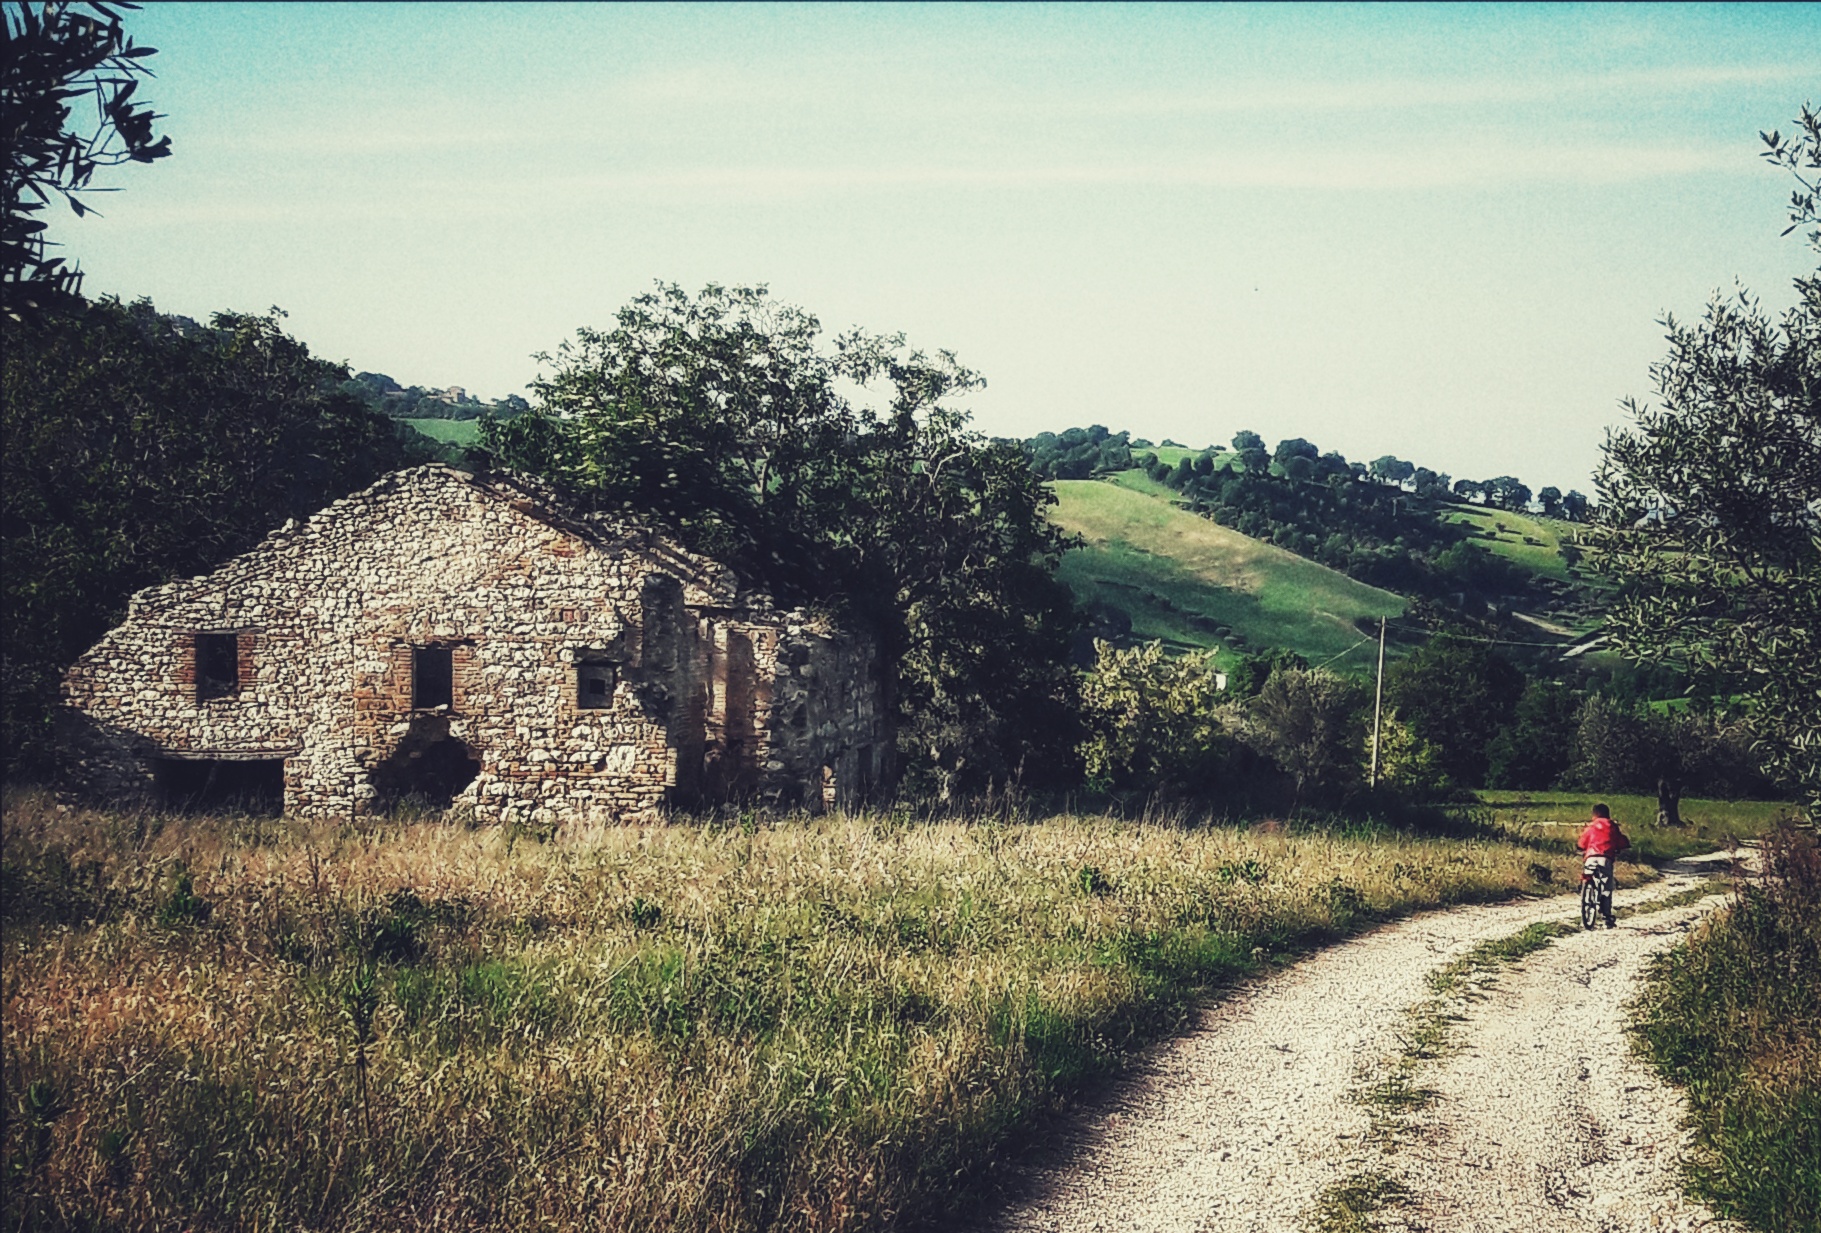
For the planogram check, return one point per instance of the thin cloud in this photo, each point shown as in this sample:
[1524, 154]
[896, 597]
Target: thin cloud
[1353, 171]
[1405, 93]
[683, 101]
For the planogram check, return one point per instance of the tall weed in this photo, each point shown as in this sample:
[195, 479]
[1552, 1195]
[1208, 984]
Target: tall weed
[1734, 1016]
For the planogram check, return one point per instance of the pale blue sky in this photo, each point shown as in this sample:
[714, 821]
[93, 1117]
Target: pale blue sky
[1444, 233]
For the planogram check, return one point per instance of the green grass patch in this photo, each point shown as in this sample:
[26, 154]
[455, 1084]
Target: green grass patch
[1531, 542]
[1185, 578]
[1173, 454]
[1138, 481]
[450, 432]
[1733, 1016]
[1478, 965]
[1350, 1205]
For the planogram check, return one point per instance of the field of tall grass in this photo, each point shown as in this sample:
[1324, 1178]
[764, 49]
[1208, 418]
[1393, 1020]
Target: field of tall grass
[219, 1023]
[1734, 1016]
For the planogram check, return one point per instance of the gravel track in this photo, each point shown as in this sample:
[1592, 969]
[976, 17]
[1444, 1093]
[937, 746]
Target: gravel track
[1544, 1120]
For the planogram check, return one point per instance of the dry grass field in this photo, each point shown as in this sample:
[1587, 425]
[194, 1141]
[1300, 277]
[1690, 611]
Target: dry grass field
[828, 1024]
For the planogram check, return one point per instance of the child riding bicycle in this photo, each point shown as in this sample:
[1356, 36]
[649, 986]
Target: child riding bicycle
[1599, 843]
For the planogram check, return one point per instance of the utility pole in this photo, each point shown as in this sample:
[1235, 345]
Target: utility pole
[1378, 700]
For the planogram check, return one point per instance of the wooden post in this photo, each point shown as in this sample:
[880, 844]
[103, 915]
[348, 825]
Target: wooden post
[1378, 700]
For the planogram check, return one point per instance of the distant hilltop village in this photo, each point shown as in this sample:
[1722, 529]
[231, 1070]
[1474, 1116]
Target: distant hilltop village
[452, 402]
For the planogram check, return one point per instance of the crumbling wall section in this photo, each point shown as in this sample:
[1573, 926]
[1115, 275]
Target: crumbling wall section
[830, 739]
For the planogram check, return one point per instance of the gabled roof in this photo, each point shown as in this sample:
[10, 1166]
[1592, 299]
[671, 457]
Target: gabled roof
[708, 583]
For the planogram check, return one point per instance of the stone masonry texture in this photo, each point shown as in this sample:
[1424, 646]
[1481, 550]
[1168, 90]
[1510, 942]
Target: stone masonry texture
[588, 668]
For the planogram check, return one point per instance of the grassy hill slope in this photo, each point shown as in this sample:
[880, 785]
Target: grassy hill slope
[1183, 578]
[450, 432]
[1531, 542]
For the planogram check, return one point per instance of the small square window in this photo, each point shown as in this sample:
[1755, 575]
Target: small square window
[594, 685]
[432, 677]
[217, 666]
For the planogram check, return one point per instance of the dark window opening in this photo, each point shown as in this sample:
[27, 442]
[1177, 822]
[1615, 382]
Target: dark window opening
[432, 677]
[194, 785]
[217, 666]
[594, 684]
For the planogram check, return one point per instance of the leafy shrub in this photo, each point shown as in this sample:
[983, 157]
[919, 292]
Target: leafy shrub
[1408, 763]
[1308, 722]
[1153, 721]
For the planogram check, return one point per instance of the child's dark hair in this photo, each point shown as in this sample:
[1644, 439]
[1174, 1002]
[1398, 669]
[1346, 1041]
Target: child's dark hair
[1600, 811]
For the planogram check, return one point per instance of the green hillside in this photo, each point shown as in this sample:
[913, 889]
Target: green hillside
[1184, 579]
[1138, 481]
[1533, 543]
[450, 432]
[1174, 454]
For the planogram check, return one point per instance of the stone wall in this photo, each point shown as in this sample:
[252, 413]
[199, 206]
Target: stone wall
[713, 695]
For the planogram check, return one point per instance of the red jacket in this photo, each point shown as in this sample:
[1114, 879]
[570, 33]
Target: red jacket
[1603, 838]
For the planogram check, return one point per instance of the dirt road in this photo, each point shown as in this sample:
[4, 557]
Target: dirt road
[1312, 1095]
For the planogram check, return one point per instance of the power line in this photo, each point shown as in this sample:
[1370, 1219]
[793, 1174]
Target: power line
[1443, 633]
[1356, 646]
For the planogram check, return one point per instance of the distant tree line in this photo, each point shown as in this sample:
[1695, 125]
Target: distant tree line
[1330, 510]
[1081, 453]
[1382, 522]
[384, 394]
[1459, 716]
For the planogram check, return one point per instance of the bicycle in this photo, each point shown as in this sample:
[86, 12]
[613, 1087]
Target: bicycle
[1596, 891]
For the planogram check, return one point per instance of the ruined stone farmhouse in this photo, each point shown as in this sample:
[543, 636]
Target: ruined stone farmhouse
[462, 640]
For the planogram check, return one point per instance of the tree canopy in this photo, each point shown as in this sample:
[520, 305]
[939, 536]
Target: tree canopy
[838, 475]
[1711, 503]
[57, 56]
[1456, 694]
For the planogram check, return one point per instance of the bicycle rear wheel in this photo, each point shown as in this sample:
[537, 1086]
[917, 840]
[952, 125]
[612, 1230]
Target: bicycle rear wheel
[1590, 903]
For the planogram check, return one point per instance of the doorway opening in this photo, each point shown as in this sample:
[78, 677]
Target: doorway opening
[426, 770]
